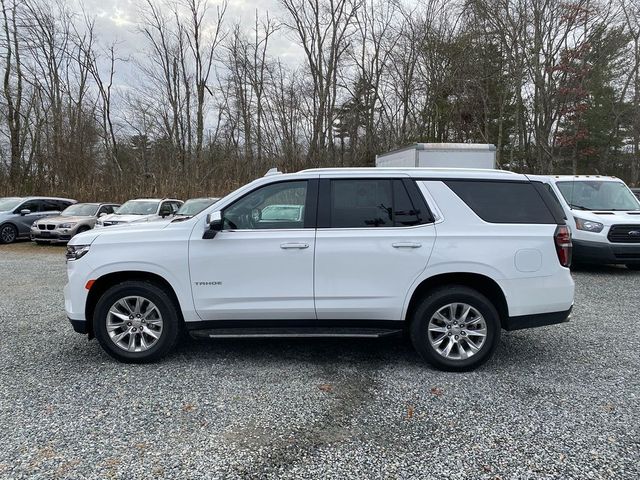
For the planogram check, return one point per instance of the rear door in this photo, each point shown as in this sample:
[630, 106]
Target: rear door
[374, 238]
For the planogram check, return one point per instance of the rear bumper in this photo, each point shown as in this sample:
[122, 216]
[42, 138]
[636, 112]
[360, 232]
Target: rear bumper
[538, 320]
[605, 253]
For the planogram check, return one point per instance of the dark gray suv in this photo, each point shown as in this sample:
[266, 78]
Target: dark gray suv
[17, 214]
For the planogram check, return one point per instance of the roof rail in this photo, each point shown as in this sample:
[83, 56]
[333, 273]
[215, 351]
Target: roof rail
[273, 171]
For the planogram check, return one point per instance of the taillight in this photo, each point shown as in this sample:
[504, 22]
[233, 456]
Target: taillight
[562, 238]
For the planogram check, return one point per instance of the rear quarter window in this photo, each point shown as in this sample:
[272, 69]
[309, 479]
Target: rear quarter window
[503, 202]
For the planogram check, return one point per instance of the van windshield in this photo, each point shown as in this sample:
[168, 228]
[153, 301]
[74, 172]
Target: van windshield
[598, 195]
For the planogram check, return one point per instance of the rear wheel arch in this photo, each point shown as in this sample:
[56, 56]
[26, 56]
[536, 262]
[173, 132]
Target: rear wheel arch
[105, 282]
[478, 282]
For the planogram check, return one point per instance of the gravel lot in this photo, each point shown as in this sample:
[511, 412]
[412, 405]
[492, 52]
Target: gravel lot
[555, 402]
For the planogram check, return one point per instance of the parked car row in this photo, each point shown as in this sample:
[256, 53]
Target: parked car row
[57, 220]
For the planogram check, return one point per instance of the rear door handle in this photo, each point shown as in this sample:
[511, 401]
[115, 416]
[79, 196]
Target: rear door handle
[287, 246]
[406, 245]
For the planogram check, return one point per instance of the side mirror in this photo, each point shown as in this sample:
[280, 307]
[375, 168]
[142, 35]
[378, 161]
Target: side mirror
[215, 225]
[102, 214]
[25, 211]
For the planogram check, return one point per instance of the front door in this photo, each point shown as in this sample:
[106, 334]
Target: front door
[260, 266]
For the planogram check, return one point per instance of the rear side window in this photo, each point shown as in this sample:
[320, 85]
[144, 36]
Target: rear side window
[503, 202]
[376, 202]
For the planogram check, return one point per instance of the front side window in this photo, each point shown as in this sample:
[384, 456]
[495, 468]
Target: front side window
[274, 206]
[31, 205]
[370, 203]
[598, 195]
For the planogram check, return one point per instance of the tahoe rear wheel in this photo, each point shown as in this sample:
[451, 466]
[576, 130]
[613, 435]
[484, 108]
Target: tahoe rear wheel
[136, 322]
[455, 328]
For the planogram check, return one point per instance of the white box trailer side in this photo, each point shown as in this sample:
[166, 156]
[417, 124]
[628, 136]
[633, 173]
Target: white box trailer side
[440, 155]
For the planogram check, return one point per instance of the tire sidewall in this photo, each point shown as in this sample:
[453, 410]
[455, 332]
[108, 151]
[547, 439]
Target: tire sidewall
[162, 302]
[437, 300]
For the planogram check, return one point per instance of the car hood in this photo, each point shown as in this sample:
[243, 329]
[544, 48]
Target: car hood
[87, 238]
[114, 217]
[607, 217]
[65, 219]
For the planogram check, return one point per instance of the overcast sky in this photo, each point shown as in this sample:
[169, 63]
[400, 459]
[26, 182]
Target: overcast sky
[117, 20]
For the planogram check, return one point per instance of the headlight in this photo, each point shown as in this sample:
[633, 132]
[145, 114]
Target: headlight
[76, 252]
[99, 223]
[588, 225]
[34, 224]
[67, 225]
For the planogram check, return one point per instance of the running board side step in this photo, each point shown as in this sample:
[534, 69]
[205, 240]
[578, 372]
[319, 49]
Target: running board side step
[297, 332]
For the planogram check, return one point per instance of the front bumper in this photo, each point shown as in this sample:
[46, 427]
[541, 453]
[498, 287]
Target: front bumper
[605, 253]
[538, 320]
[51, 236]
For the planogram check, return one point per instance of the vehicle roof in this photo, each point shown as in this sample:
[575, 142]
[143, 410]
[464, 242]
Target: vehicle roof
[153, 200]
[98, 203]
[37, 197]
[418, 172]
[582, 178]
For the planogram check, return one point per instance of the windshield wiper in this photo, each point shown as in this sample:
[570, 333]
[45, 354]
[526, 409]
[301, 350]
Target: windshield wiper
[579, 207]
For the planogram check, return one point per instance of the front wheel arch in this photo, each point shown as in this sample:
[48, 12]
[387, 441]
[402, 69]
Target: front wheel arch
[105, 282]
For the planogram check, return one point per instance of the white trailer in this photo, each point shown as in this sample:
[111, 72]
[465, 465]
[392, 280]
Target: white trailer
[442, 155]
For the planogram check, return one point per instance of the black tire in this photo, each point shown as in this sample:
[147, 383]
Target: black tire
[439, 298]
[634, 266]
[8, 233]
[166, 307]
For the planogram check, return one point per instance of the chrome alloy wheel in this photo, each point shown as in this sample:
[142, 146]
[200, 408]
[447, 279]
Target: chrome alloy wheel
[457, 331]
[134, 324]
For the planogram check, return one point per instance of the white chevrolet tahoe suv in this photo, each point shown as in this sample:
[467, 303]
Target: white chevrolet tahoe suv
[449, 256]
[603, 215]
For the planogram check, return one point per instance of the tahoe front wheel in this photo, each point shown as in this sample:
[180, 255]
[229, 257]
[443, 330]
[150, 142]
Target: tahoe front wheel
[455, 328]
[136, 322]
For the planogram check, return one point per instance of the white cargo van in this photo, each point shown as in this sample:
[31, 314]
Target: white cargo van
[440, 155]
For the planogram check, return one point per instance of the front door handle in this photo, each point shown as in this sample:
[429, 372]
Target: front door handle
[287, 246]
[406, 245]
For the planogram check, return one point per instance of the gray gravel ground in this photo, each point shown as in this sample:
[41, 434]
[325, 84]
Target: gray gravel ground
[556, 402]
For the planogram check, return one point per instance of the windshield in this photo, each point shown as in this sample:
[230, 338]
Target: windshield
[9, 203]
[598, 195]
[195, 206]
[138, 207]
[80, 210]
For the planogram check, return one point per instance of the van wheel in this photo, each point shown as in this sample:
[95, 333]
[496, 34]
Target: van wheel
[455, 328]
[136, 322]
